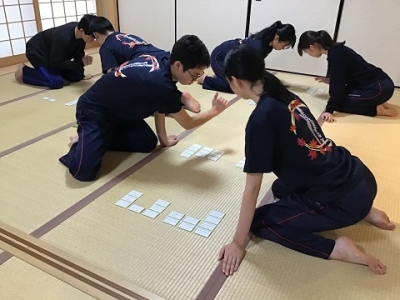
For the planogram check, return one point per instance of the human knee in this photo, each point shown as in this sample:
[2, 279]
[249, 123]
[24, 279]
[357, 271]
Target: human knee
[150, 144]
[55, 83]
[83, 174]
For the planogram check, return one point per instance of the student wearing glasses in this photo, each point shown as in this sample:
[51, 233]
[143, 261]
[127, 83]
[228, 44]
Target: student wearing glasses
[110, 115]
[278, 36]
[117, 48]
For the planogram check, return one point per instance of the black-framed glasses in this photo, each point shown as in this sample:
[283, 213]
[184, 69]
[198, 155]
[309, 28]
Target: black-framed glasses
[195, 77]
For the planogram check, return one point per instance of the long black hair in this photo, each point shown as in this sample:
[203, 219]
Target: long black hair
[321, 37]
[286, 33]
[245, 63]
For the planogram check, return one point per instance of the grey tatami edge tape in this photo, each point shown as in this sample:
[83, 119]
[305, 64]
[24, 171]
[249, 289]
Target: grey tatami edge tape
[34, 94]
[217, 278]
[36, 139]
[69, 212]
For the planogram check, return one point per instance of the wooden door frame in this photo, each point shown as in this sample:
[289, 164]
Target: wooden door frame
[107, 8]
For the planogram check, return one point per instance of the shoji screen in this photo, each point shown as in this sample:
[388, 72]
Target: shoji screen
[58, 12]
[372, 29]
[17, 25]
[303, 15]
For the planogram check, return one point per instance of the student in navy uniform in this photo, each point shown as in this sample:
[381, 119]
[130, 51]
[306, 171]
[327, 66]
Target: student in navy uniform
[117, 48]
[110, 115]
[321, 186]
[355, 86]
[276, 37]
[57, 55]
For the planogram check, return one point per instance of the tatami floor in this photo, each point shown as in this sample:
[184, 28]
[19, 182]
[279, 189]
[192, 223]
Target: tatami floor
[65, 239]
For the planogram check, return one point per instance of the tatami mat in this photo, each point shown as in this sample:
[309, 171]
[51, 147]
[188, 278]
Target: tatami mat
[10, 89]
[34, 116]
[270, 271]
[27, 204]
[166, 260]
[21, 281]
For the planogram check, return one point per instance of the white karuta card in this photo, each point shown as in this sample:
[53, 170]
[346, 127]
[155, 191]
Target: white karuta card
[213, 158]
[122, 203]
[251, 102]
[240, 165]
[193, 149]
[191, 220]
[162, 203]
[135, 194]
[186, 154]
[196, 146]
[176, 215]
[129, 198]
[321, 91]
[212, 220]
[311, 90]
[171, 221]
[157, 208]
[216, 214]
[136, 208]
[203, 232]
[52, 100]
[46, 98]
[201, 153]
[187, 226]
[151, 214]
[207, 225]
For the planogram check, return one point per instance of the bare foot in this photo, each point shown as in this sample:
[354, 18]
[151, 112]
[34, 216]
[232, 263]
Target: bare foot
[379, 219]
[201, 79]
[190, 103]
[386, 110]
[345, 250]
[18, 73]
[73, 139]
[87, 77]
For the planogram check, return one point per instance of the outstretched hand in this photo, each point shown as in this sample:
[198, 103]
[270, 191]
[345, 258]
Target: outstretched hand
[219, 103]
[322, 79]
[231, 255]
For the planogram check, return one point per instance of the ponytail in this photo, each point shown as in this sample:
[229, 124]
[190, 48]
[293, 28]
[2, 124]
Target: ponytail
[319, 37]
[286, 33]
[274, 88]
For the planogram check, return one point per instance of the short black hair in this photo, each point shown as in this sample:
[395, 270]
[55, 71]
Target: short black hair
[100, 25]
[191, 52]
[85, 22]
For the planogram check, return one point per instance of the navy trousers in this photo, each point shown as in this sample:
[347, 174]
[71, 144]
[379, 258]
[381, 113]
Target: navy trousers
[295, 220]
[363, 101]
[97, 135]
[218, 83]
[53, 78]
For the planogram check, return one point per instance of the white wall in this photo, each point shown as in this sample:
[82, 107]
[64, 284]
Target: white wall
[213, 21]
[303, 15]
[152, 20]
[372, 29]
